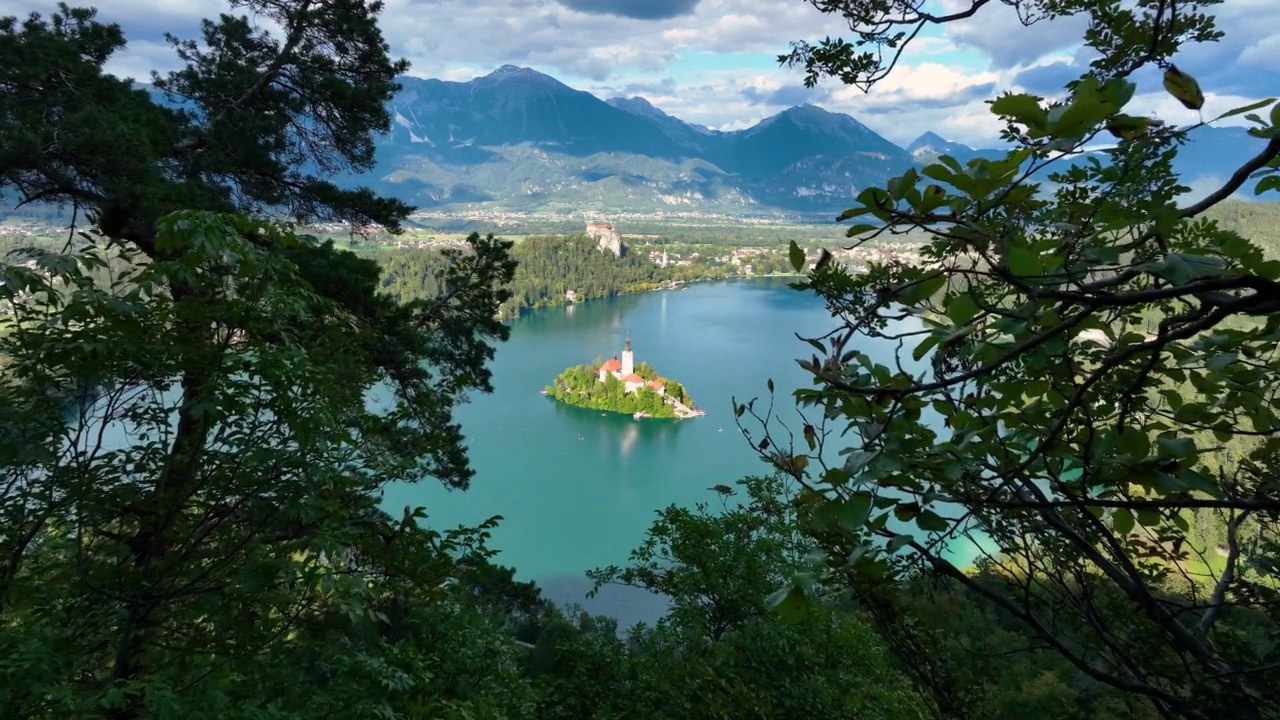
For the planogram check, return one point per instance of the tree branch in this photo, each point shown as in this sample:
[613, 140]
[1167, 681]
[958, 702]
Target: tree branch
[1238, 178]
[1228, 574]
[265, 79]
[948, 569]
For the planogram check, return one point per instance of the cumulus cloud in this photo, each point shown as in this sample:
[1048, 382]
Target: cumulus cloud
[931, 96]
[1242, 64]
[1047, 80]
[674, 53]
[1009, 36]
[642, 10]
[925, 85]
[665, 86]
[787, 95]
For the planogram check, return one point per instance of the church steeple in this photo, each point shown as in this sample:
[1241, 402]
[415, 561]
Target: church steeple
[628, 359]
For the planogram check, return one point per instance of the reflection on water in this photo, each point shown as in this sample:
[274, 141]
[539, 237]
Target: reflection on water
[629, 437]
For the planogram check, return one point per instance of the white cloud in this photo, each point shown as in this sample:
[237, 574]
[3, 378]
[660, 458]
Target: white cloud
[928, 81]
[1162, 105]
[1010, 36]
[1262, 53]
[677, 62]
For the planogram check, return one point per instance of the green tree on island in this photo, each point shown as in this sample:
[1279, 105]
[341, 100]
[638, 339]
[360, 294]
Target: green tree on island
[1091, 387]
[581, 385]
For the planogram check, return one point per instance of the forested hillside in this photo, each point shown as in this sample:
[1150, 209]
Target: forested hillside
[1258, 221]
[549, 267]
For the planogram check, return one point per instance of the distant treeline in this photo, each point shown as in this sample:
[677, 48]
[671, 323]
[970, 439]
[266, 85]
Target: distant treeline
[550, 266]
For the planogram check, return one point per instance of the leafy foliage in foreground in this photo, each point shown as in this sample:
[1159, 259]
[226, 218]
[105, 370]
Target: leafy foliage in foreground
[1039, 417]
[721, 653]
[204, 528]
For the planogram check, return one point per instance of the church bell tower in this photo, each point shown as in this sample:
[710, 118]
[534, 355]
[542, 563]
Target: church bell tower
[628, 359]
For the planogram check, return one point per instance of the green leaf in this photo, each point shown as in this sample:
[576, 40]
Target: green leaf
[1181, 523]
[797, 256]
[1178, 447]
[939, 172]
[933, 196]
[931, 521]
[924, 346]
[918, 291]
[1121, 520]
[799, 463]
[1220, 361]
[1128, 127]
[1079, 116]
[1118, 91]
[1149, 518]
[835, 477]
[856, 510]
[115, 695]
[1182, 268]
[1022, 108]
[961, 308]
[850, 514]
[1247, 108]
[790, 603]
[899, 186]
[897, 542]
[1184, 88]
[1024, 262]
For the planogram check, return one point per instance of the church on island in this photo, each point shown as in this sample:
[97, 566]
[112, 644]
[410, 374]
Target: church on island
[624, 370]
[622, 385]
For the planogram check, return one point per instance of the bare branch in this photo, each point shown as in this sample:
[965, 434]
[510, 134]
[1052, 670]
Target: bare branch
[1237, 179]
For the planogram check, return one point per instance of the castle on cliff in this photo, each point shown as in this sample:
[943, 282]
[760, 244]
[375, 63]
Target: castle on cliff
[625, 370]
[606, 237]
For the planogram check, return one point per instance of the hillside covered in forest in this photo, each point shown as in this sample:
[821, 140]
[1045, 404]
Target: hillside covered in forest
[555, 270]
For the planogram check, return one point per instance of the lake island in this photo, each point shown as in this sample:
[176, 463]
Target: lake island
[622, 385]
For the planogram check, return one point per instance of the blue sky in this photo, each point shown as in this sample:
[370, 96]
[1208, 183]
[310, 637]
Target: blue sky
[714, 61]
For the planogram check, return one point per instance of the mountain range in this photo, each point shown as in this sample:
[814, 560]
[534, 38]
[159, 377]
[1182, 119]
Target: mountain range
[519, 140]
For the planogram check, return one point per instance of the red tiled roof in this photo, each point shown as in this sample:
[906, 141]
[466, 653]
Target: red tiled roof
[655, 384]
[612, 365]
[633, 378]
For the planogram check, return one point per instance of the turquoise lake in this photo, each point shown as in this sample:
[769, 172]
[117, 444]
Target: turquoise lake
[577, 489]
